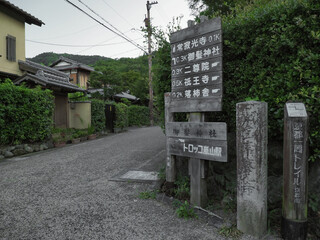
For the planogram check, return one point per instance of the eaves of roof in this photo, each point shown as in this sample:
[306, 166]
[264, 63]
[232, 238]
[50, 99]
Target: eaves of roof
[73, 64]
[46, 76]
[11, 9]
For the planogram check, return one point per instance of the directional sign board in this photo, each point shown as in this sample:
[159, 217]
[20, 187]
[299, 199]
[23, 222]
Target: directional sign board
[204, 140]
[196, 68]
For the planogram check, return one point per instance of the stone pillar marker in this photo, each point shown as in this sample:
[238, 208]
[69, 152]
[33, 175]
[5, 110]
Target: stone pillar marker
[295, 172]
[252, 137]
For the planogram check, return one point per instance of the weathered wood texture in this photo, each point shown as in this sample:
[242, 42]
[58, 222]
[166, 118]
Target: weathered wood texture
[295, 171]
[203, 130]
[198, 182]
[170, 161]
[197, 167]
[199, 148]
[252, 129]
[198, 29]
[197, 68]
[194, 105]
[202, 80]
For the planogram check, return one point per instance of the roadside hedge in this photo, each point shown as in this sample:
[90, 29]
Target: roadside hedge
[98, 117]
[138, 115]
[272, 54]
[121, 116]
[25, 114]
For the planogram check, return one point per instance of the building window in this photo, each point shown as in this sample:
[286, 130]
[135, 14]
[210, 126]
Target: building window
[11, 48]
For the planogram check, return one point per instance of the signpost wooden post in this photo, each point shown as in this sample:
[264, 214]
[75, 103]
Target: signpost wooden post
[196, 87]
[295, 172]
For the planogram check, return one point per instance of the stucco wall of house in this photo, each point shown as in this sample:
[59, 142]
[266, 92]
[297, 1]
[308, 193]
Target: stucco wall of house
[15, 28]
[79, 115]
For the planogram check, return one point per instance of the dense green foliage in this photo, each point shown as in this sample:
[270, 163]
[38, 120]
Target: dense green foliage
[121, 116]
[217, 7]
[122, 75]
[138, 115]
[271, 53]
[25, 114]
[98, 117]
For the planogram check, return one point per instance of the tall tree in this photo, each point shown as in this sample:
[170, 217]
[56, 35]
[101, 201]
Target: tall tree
[105, 76]
[215, 7]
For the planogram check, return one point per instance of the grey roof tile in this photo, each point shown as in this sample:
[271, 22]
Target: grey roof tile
[28, 18]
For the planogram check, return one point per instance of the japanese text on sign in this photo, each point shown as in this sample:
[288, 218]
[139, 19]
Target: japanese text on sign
[206, 150]
[297, 165]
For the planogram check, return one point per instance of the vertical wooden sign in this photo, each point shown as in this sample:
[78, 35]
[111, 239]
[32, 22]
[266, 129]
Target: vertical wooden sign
[295, 172]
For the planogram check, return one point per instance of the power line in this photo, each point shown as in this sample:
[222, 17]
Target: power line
[83, 50]
[67, 45]
[136, 45]
[69, 34]
[117, 13]
[116, 29]
[123, 52]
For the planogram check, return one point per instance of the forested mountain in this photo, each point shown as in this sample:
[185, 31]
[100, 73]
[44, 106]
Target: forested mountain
[48, 58]
[124, 64]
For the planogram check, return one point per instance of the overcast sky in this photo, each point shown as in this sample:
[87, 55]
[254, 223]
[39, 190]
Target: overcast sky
[66, 25]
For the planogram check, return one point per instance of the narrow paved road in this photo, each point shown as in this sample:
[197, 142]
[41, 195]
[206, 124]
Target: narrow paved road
[66, 193]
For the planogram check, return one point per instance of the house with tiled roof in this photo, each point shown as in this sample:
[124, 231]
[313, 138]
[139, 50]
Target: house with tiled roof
[50, 78]
[12, 38]
[13, 63]
[79, 73]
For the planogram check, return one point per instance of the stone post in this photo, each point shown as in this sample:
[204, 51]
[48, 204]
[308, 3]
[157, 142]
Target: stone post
[295, 172]
[252, 137]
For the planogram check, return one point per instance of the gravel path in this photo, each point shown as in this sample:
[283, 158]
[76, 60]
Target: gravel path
[66, 193]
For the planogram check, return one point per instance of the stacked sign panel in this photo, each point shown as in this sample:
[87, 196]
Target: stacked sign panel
[196, 68]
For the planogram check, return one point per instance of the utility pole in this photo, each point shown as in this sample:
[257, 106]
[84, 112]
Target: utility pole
[149, 29]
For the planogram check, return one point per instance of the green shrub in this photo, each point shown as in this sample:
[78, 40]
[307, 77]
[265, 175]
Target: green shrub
[138, 115]
[185, 210]
[25, 114]
[121, 116]
[98, 117]
[271, 53]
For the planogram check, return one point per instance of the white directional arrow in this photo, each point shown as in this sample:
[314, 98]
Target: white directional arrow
[215, 64]
[215, 90]
[214, 78]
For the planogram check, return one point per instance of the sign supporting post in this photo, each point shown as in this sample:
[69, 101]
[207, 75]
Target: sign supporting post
[295, 172]
[197, 172]
[171, 161]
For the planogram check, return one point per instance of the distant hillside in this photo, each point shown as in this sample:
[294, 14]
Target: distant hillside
[48, 58]
[121, 65]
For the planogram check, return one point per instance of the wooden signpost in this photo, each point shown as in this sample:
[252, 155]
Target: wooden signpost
[196, 87]
[196, 68]
[295, 172]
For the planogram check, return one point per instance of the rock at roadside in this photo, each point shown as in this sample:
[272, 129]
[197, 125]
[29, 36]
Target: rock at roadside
[8, 154]
[43, 147]
[28, 149]
[18, 152]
